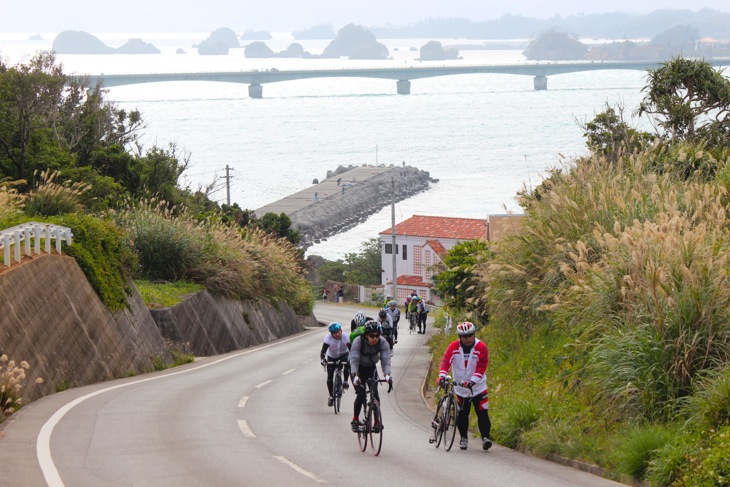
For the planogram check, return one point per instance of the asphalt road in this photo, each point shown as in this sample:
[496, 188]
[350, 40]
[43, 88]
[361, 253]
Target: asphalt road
[253, 417]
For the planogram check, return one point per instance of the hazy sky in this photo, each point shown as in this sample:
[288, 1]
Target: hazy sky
[95, 16]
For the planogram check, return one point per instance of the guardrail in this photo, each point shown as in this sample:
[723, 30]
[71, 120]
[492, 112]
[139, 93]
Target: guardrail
[27, 238]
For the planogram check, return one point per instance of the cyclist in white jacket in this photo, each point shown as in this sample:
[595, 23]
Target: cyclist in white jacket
[468, 358]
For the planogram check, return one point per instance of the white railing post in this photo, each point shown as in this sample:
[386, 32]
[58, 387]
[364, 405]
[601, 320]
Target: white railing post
[6, 249]
[37, 242]
[47, 235]
[26, 240]
[16, 235]
[57, 233]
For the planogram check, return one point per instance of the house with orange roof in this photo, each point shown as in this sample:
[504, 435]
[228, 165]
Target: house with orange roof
[421, 242]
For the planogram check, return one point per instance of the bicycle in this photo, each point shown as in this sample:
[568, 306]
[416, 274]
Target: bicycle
[444, 421]
[337, 389]
[371, 419]
[412, 322]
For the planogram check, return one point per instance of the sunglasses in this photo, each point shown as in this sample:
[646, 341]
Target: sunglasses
[374, 335]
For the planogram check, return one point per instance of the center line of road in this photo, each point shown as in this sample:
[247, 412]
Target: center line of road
[243, 426]
[288, 371]
[242, 402]
[299, 469]
[263, 384]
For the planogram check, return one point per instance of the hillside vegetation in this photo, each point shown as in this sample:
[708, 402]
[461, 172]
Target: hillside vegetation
[609, 310]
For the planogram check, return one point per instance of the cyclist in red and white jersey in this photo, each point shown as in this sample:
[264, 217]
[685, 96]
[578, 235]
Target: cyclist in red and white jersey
[468, 358]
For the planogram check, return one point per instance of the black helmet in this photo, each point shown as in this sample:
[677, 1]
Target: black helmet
[382, 314]
[372, 327]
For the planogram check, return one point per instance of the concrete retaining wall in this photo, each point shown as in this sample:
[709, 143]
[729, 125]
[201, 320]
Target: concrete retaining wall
[51, 317]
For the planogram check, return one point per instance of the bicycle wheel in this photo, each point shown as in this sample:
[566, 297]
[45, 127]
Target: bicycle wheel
[362, 434]
[437, 424]
[376, 434]
[449, 426]
[337, 391]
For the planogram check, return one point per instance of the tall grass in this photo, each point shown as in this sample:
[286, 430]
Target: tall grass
[249, 265]
[49, 197]
[628, 260]
[12, 381]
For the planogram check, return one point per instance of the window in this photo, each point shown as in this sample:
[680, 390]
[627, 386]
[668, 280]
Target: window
[388, 248]
[405, 252]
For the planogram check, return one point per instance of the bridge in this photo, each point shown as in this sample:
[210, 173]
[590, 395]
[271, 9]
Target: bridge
[402, 75]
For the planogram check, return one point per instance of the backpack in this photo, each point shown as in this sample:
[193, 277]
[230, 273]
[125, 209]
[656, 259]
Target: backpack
[360, 330]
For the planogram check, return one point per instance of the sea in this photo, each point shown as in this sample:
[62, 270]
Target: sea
[484, 137]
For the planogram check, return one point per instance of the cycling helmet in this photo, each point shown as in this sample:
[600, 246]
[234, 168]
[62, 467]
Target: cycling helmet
[392, 303]
[360, 318]
[415, 298]
[372, 327]
[465, 328]
[382, 314]
[335, 327]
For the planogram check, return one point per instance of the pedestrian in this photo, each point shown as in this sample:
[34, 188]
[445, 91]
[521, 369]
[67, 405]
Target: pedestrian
[339, 180]
[340, 294]
[325, 293]
[316, 196]
[468, 357]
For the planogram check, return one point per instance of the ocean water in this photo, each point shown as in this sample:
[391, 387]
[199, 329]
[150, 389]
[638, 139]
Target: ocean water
[483, 136]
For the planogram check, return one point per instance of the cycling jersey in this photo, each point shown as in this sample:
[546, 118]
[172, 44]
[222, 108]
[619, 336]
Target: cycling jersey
[466, 366]
[333, 348]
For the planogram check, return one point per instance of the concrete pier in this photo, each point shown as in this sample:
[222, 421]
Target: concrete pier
[348, 196]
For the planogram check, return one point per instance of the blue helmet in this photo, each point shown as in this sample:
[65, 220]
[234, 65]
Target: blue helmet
[335, 327]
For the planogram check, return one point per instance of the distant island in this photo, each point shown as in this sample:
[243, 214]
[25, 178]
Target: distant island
[79, 42]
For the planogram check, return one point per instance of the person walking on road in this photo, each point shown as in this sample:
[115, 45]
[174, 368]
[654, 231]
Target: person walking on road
[468, 357]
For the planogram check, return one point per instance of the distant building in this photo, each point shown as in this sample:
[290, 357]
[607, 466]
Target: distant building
[422, 242]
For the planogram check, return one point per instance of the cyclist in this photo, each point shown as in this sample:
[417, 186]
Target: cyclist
[386, 326]
[359, 320]
[394, 313]
[387, 300]
[335, 347]
[468, 358]
[366, 351]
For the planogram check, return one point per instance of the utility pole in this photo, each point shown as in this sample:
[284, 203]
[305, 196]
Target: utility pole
[228, 185]
[392, 229]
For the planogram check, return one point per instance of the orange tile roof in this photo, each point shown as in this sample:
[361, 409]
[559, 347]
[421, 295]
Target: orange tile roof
[441, 227]
[437, 247]
[413, 281]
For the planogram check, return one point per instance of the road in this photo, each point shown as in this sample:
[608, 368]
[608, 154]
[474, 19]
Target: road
[253, 417]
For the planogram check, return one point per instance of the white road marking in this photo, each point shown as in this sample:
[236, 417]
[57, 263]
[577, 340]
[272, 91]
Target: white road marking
[242, 402]
[43, 442]
[263, 384]
[299, 469]
[243, 426]
[288, 372]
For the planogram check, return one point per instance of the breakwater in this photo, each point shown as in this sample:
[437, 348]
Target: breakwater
[346, 197]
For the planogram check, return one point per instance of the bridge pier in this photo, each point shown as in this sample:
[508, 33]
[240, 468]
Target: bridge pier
[404, 87]
[540, 82]
[255, 90]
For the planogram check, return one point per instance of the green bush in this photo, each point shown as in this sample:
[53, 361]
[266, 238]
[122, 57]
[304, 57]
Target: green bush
[637, 446]
[516, 418]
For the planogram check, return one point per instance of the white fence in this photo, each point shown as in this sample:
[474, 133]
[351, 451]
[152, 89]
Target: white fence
[26, 238]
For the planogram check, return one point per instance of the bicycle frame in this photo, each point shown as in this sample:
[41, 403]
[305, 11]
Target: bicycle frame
[371, 415]
[444, 420]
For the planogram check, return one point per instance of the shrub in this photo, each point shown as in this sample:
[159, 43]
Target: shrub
[709, 407]
[516, 418]
[12, 380]
[638, 446]
[50, 198]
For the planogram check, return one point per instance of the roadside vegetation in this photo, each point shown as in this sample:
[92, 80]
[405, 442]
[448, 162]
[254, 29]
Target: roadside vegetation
[70, 157]
[609, 309]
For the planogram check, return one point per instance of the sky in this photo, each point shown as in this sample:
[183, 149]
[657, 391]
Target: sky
[96, 16]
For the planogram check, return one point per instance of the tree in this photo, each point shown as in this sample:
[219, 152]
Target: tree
[280, 226]
[689, 100]
[364, 267]
[455, 280]
[608, 133]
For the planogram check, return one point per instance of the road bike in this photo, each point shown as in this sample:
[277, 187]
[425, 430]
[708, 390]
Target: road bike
[370, 421]
[444, 421]
[337, 389]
